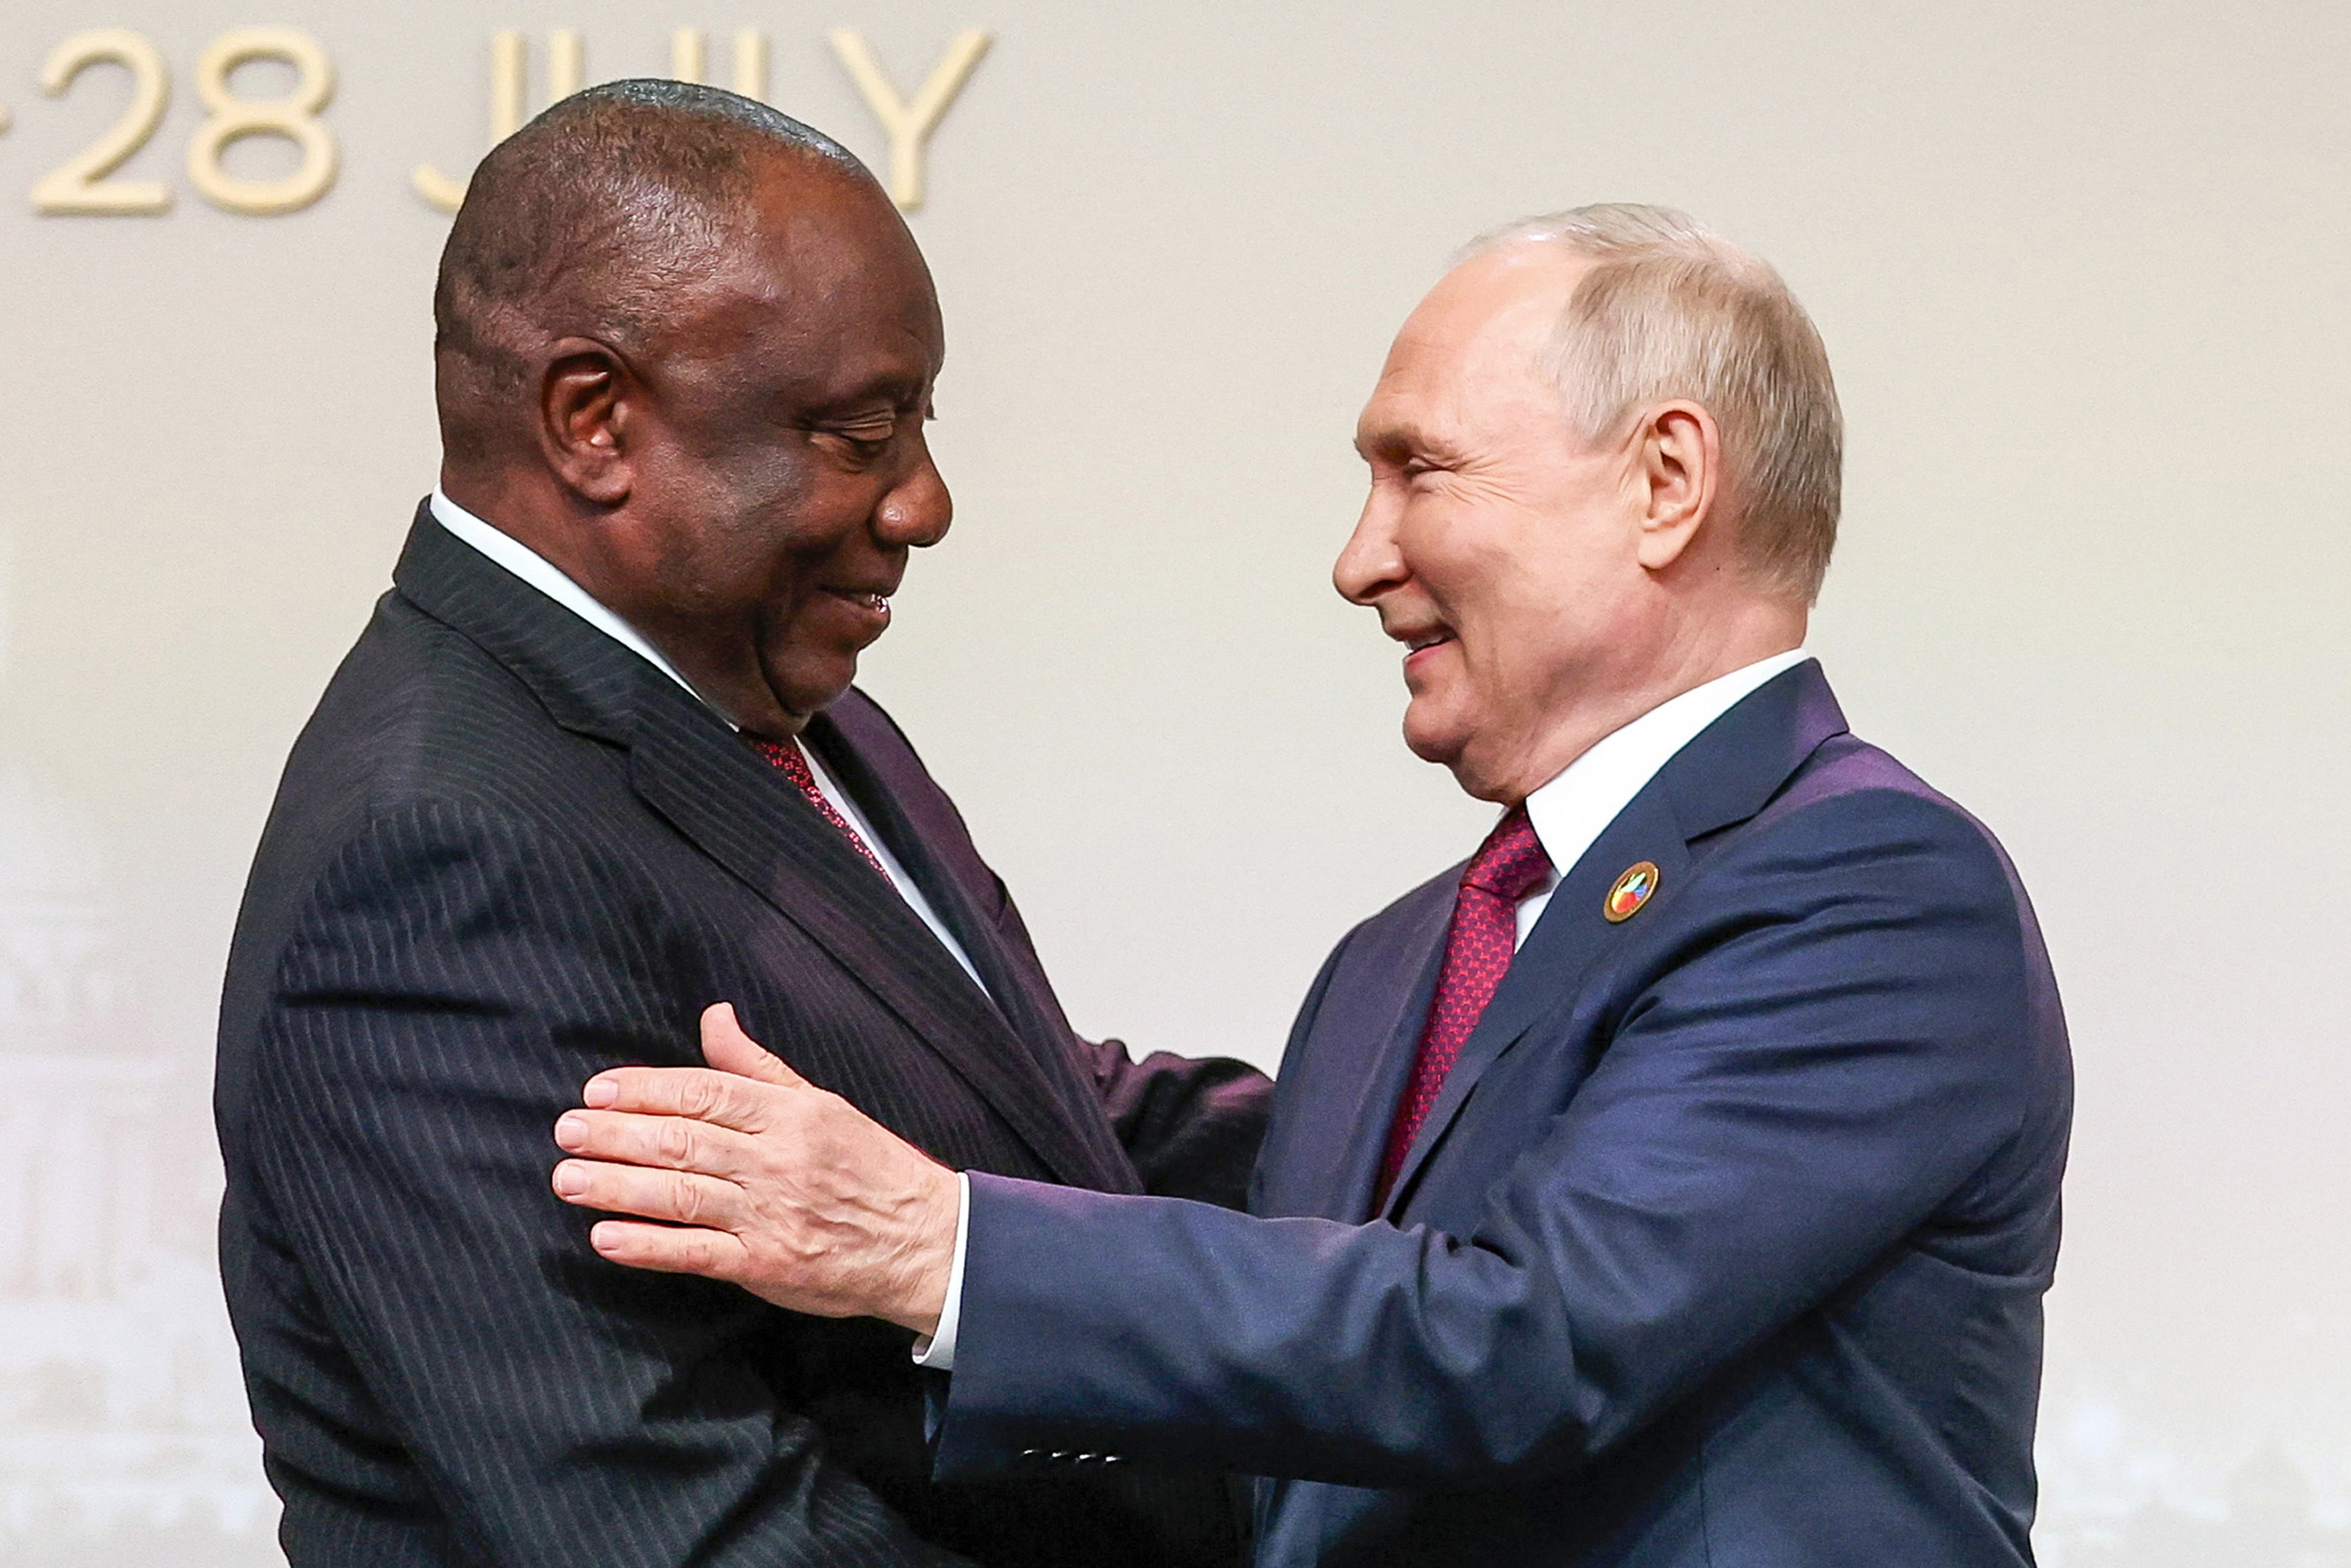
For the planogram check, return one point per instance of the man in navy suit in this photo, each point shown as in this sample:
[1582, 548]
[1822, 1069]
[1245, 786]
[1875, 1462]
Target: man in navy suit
[1674, 1184]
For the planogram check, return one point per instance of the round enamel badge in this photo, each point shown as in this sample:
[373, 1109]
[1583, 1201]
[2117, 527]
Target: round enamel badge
[1631, 892]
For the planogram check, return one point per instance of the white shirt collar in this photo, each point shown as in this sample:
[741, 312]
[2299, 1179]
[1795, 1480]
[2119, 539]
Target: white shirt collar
[1574, 809]
[544, 575]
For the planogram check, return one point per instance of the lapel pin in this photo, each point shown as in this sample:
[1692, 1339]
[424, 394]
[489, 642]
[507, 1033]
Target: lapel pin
[1631, 890]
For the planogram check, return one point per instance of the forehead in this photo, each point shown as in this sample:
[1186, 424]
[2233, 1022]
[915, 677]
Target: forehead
[1471, 351]
[825, 279]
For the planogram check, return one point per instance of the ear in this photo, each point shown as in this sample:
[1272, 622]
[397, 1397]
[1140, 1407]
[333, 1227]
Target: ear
[590, 404]
[1679, 450]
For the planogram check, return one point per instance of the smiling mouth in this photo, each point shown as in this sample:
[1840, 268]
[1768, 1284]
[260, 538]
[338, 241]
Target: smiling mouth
[875, 603]
[1426, 641]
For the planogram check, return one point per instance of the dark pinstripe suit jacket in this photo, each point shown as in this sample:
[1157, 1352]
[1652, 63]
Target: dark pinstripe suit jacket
[508, 854]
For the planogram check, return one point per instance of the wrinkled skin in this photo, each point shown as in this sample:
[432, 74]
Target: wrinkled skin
[764, 1181]
[1549, 588]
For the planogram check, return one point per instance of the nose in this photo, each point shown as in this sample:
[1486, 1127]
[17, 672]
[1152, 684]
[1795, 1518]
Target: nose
[1372, 565]
[916, 511]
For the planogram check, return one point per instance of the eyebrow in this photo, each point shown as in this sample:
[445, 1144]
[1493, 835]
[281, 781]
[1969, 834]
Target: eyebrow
[1402, 435]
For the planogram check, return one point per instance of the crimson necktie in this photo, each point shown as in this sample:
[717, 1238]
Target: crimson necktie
[789, 757]
[1508, 866]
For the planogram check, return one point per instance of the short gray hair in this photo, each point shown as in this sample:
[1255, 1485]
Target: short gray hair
[1671, 310]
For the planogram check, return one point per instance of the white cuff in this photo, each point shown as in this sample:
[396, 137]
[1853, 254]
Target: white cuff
[937, 1353]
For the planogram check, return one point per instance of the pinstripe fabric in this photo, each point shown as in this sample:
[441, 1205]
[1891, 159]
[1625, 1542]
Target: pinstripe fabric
[506, 854]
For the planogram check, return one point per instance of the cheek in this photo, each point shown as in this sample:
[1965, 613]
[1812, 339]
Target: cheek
[1514, 631]
[752, 471]
[727, 514]
[1462, 544]
[782, 527]
[1531, 637]
[1473, 581]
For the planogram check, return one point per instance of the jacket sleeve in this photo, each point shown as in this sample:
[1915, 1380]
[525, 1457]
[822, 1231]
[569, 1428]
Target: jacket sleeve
[1191, 1125]
[450, 982]
[1837, 1048]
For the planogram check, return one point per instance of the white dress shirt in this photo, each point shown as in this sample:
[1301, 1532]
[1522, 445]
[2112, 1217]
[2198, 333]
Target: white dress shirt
[1567, 815]
[544, 575]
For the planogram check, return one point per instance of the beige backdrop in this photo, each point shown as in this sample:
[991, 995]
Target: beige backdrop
[2081, 270]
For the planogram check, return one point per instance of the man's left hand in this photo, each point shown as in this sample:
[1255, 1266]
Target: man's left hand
[765, 1181]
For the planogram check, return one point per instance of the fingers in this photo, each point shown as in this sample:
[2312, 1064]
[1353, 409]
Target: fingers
[717, 1095]
[671, 1143]
[713, 1254]
[723, 1099]
[680, 1197]
[726, 1048]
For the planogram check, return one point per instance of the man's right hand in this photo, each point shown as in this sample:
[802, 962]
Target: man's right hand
[759, 1178]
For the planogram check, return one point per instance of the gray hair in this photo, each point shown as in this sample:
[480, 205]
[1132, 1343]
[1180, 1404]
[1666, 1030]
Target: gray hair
[1671, 310]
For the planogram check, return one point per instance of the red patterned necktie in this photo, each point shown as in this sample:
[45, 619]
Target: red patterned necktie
[1508, 866]
[789, 757]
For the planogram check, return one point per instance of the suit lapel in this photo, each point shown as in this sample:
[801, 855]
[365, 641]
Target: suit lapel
[1572, 937]
[1724, 776]
[887, 814]
[688, 767]
[1018, 998]
[1384, 1011]
[738, 811]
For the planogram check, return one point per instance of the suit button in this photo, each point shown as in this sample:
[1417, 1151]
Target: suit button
[1061, 1457]
[1114, 1458]
[1032, 1453]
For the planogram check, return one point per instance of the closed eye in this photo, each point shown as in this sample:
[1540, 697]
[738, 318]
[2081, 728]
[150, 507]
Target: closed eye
[865, 441]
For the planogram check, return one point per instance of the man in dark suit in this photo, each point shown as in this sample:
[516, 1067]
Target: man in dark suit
[1674, 1184]
[593, 762]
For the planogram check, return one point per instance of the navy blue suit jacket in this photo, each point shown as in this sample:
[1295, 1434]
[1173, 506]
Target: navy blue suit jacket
[1724, 1243]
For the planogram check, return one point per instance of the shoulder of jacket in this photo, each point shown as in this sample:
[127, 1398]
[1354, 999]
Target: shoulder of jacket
[1853, 804]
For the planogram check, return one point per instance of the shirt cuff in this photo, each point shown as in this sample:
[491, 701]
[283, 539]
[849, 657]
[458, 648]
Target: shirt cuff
[937, 1353]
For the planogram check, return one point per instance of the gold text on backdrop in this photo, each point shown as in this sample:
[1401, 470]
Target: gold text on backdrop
[85, 185]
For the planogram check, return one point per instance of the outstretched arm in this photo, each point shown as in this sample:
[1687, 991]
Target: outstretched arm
[1823, 1067]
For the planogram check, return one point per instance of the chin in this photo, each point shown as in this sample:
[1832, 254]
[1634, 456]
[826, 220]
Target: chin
[1451, 746]
[1430, 739]
[804, 684]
